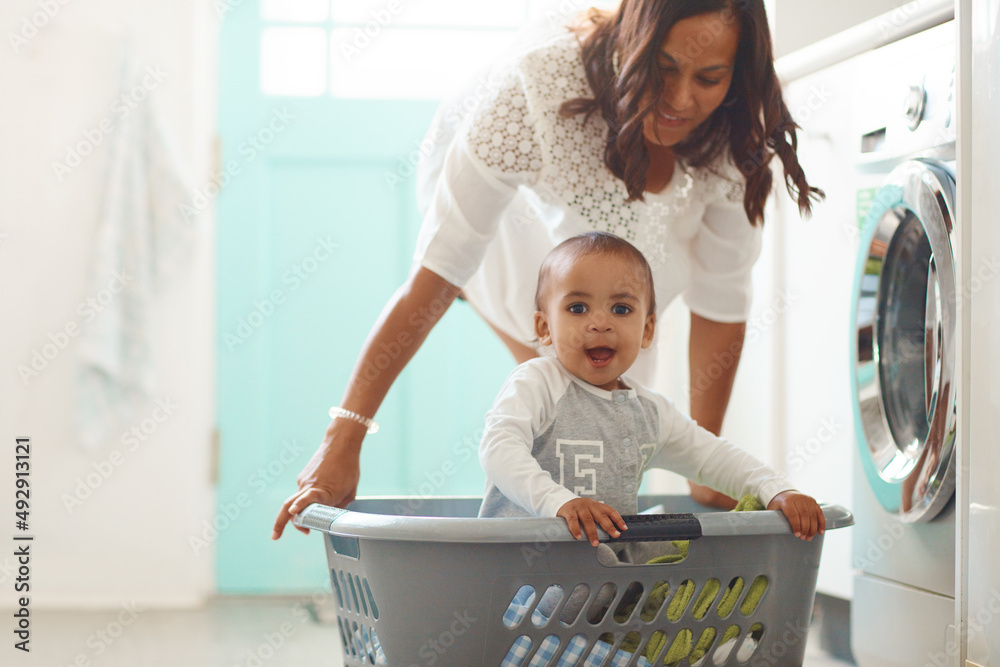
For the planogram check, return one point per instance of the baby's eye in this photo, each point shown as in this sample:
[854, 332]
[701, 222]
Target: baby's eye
[620, 309]
[577, 308]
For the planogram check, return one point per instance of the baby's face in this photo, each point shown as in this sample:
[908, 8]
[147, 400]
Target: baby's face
[594, 315]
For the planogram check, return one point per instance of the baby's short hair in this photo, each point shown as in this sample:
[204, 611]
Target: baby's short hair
[597, 243]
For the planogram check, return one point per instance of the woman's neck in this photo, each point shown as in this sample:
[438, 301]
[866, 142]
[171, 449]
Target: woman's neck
[661, 167]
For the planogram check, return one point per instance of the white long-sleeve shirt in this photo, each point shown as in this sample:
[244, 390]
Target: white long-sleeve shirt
[551, 437]
[514, 179]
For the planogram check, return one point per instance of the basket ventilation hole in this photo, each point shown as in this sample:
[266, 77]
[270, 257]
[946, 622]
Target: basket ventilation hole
[657, 596]
[371, 600]
[343, 586]
[655, 645]
[369, 649]
[345, 630]
[599, 652]
[343, 637]
[680, 649]
[702, 647]
[550, 600]
[679, 603]
[630, 598]
[574, 604]
[359, 645]
[336, 588]
[546, 654]
[750, 643]
[602, 602]
[518, 651]
[754, 595]
[631, 642]
[361, 594]
[709, 592]
[726, 644]
[519, 606]
[573, 652]
[377, 645]
[729, 598]
[354, 594]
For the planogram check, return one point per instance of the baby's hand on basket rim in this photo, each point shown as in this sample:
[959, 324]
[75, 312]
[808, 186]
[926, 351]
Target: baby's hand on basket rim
[591, 513]
[802, 511]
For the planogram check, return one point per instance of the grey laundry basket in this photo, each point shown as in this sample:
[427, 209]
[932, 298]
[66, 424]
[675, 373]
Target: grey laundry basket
[437, 589]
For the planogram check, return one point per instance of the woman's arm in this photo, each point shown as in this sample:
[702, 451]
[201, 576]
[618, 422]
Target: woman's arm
[332, 474]
[714, 350]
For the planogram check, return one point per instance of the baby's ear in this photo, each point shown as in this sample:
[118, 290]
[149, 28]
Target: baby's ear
[648, 330]
[542, 328]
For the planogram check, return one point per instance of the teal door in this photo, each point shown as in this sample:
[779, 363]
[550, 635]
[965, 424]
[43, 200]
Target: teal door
[316, 227]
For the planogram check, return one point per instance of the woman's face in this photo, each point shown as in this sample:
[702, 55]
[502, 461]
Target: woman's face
[696, 62]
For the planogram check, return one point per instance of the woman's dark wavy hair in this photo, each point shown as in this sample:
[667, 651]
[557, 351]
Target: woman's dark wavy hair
[752, 124]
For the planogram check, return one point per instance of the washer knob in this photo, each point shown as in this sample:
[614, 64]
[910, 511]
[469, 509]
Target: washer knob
[913, 106]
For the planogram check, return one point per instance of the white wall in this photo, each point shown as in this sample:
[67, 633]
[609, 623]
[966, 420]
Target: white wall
[128, 541]
[980, 310]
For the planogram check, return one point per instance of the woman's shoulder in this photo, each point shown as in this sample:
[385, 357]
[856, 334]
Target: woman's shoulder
[561, 44]
[552, 66]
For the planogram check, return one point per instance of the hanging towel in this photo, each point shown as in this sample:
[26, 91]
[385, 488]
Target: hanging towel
[142, 240]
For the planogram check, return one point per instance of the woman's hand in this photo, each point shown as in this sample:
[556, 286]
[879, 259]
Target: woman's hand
[802, 512]
[591, 513]
[331, 476]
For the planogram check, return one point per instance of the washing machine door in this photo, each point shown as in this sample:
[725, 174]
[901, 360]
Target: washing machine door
[903, 341]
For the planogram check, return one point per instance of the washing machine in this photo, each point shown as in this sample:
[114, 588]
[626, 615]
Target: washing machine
[903, 335]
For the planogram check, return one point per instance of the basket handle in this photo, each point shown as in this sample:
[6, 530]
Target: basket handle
[317, 516]
[658, 528]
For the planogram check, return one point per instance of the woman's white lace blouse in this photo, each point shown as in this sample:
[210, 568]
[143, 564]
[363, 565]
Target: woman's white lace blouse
[517, 178]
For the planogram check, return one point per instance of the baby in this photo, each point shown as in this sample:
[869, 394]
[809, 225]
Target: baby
[571, 435]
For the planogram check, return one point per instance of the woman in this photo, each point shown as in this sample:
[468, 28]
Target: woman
[655, 122]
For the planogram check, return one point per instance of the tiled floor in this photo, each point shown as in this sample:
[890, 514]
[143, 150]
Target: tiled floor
[229, 632]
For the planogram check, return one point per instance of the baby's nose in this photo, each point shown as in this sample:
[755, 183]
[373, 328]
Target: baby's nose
[600, 322]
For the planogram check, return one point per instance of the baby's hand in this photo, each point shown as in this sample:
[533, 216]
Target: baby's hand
[802, 512]
[590, 513]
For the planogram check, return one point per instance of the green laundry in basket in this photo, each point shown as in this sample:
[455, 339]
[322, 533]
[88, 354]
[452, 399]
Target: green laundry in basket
[682, 645]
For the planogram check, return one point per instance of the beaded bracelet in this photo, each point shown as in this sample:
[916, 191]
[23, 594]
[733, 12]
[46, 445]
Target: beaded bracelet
[370, 424]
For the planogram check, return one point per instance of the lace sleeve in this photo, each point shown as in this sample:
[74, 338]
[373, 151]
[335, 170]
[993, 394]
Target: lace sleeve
[494, 152]
[502, 132]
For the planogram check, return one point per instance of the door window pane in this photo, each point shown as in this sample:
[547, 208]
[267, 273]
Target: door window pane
[458, 13]
[295, 11]
[293, 61]
[408, 63]
[388, 49]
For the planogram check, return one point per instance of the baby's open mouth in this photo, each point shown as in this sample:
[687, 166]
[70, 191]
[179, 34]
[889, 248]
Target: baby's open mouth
[600, 356]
